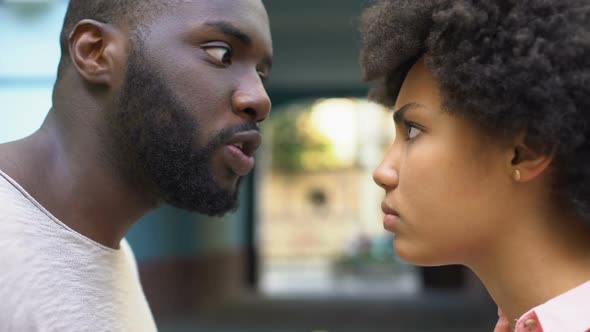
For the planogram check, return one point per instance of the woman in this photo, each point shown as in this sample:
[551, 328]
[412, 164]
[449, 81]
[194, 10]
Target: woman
[490, 167]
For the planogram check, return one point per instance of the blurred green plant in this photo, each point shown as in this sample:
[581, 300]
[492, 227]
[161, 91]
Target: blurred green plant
[296, 145]
[375, 256]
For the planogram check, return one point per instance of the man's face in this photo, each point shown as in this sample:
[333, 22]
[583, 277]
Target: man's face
[186, 125]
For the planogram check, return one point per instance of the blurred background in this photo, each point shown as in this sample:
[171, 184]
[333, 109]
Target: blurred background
[306, 251]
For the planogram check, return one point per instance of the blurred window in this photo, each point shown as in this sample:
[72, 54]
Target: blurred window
[320, 229]
[29, 35]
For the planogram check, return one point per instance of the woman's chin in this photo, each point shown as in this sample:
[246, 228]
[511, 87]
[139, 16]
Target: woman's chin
[418, 256]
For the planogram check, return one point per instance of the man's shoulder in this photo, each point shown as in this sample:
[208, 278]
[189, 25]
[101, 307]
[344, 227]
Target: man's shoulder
[13, 199]
[20, 220]
[89, 289]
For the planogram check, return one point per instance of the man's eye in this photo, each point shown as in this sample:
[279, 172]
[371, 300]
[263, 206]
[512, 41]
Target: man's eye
[263, 76]
[220, 53]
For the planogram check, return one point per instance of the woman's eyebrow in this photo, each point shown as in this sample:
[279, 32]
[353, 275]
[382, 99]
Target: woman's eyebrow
[400, 115]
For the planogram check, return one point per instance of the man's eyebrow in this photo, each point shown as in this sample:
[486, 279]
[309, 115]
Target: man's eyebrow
[400, 115]
[230, 29]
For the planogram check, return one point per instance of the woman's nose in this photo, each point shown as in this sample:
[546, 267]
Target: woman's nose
[386, 174]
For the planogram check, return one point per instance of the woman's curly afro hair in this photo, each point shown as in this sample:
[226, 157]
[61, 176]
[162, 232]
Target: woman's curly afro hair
[507, 65]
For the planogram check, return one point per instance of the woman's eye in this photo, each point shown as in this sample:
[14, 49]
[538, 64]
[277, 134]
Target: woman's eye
[413, 131]
[220, 53]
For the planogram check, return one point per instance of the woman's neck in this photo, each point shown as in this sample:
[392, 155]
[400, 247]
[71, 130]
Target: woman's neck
[535, 262]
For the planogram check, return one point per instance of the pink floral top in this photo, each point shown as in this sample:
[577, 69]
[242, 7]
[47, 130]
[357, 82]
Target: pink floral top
[569, 312]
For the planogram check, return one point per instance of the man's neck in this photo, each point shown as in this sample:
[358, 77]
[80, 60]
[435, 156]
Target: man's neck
[67, 176]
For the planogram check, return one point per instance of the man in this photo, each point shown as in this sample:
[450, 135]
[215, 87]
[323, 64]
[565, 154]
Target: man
[156, 101]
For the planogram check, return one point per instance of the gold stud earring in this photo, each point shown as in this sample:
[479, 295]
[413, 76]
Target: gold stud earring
[516, 175]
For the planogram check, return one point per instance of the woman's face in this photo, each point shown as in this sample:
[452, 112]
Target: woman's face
[446, 185]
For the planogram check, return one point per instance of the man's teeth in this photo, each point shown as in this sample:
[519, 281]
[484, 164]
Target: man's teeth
[239, 145]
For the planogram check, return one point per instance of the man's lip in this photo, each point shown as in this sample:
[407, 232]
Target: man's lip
[388, 210]
[239, 162]
[250, 141]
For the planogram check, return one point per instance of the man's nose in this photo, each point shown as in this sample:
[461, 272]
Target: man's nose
[250, 100]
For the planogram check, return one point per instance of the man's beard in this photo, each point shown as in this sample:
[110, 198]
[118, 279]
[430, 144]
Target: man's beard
[154, 145]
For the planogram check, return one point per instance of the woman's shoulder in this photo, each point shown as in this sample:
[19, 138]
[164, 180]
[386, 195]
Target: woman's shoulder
[568, 312]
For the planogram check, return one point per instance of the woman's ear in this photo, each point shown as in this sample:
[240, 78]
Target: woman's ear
[528, 162]
[95, 48]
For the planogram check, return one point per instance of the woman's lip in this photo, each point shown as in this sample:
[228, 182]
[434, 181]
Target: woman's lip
[388, 210]
[390, 221]
[391, 217]
[238, 162]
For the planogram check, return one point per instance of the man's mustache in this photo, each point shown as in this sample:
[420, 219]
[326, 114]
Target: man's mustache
[224, 135]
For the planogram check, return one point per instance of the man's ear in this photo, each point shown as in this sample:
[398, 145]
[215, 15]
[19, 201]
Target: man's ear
[96, 50]
[530, 161]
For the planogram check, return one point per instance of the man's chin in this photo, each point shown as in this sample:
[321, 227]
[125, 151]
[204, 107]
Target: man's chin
[213, 202]
[223, 212]
[215, 209]
[204, 192]
[209, 208]
[229, 181]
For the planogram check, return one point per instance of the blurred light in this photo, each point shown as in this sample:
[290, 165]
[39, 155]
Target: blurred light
[336, 119]
[26, 109]
[26, 2]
